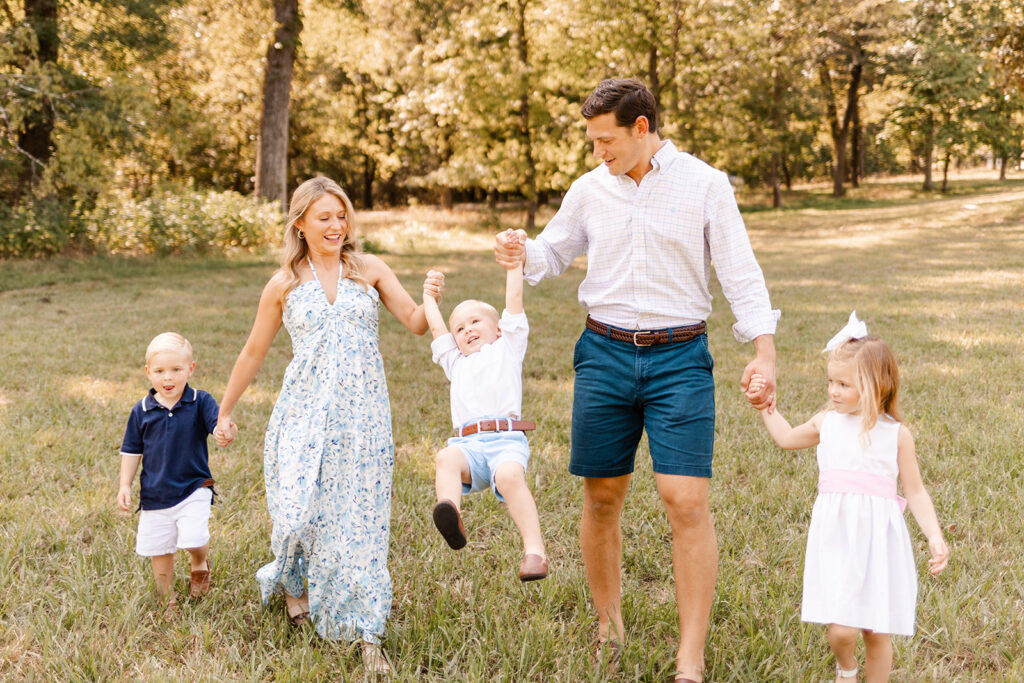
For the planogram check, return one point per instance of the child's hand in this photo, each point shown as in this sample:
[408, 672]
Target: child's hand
[124, 498]
[510, 248]
[755, 386]
[940, 555]
[225, 432]
[433, 285]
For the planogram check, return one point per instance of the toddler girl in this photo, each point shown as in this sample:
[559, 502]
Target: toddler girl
[859, 573]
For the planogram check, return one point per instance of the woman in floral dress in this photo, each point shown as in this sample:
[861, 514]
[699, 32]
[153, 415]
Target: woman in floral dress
[328, 453]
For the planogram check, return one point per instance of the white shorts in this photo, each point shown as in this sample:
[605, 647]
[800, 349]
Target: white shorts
[186, 525]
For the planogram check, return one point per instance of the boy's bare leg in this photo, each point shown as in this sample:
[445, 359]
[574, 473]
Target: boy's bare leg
[510, 479]
[163, 574]
[451, 470]
[198, 557]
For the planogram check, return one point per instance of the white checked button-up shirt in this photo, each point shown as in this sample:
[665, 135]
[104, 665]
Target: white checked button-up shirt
[650, 247]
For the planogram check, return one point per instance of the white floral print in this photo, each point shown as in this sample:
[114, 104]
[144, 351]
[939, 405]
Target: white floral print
[328, 462]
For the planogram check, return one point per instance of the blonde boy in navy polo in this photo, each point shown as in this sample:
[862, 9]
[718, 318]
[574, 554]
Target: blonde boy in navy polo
[166, 434]
[483, 358]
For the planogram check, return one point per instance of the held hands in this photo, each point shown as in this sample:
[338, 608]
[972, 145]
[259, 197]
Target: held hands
[755, 390]
[510, 248]
[433, 285]
[225, 431]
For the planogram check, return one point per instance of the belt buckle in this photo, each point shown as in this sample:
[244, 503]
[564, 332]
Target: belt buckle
[637, 332]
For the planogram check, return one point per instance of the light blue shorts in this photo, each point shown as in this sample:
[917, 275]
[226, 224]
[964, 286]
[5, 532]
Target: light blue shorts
[486, 451]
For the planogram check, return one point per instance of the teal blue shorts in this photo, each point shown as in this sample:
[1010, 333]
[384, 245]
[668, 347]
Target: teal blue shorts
[622, 389]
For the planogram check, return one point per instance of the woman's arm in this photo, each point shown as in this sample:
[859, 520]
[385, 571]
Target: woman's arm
[393, 294]
[264, 329]
[919, 502]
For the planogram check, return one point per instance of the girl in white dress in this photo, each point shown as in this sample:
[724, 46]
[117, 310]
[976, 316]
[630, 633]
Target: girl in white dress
[859, 573]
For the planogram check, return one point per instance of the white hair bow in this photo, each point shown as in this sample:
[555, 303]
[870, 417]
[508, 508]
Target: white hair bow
[854, 329]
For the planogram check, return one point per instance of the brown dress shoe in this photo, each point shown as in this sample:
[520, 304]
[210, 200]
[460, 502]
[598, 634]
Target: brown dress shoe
[449, 522]
[200, 581]
[533, 567]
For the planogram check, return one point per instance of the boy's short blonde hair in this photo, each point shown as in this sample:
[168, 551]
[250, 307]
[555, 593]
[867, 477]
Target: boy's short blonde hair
[486, 307]
[168, 341]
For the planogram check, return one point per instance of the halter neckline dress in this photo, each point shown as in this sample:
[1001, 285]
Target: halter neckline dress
[328, 461]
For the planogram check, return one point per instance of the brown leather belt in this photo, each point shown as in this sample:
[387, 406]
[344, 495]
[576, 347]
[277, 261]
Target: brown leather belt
[207, 483]
[648, 337]
[502, 424]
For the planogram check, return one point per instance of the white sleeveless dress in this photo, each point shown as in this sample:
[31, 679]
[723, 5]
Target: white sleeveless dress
[859, 570]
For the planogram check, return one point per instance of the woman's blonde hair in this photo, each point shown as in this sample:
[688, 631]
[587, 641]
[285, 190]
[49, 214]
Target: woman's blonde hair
[295, 250]
[878, 378]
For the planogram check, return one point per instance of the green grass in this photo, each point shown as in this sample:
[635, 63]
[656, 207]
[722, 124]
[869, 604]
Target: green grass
[942, 282]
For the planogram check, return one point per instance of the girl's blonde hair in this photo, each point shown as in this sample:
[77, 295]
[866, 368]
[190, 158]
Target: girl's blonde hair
[878, 378]
[295, 250]
[168, 341]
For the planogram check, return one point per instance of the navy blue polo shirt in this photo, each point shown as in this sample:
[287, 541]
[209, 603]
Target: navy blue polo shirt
[172, 443]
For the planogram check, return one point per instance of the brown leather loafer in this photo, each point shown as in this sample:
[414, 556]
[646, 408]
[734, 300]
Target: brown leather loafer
[449, 522]
[533, 567]
[200, 581]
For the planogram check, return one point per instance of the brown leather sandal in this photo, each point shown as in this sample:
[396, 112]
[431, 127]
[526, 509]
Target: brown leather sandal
[300, 616]
[200, 580]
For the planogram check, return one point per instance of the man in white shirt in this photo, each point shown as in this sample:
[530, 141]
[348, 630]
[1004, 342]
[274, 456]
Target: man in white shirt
[651, 221]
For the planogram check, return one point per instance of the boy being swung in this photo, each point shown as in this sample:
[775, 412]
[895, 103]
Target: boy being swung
[166, 433]
[482, 356]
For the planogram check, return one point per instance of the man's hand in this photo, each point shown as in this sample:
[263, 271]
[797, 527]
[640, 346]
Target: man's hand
[510, 248]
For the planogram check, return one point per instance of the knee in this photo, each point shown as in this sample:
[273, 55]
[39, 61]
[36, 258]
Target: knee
[877, 640]
[509, 476]
[687, 512]
[448, 459]
[603, 505]
[842, 636]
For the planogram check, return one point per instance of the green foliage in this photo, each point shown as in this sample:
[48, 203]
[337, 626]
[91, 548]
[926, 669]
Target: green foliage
[181, 221]
[41, 228]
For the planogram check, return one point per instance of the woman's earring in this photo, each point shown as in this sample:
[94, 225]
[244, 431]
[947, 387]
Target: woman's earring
[302, 235]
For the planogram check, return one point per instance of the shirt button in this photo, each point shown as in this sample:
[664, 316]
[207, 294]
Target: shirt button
[170, 414]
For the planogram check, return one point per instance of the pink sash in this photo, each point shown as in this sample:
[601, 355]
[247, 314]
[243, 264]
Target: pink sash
[855, 481]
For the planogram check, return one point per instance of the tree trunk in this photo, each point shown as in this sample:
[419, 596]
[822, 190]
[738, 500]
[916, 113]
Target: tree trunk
[530, 182]
[272, 146]
[35, 141]
[1003, 161]
[945, 172]
[840, 130]
[369, 173]
[778, 130]
[929, 152]
[447, 200]
[856, 153]
[786, 176]
[653, 81]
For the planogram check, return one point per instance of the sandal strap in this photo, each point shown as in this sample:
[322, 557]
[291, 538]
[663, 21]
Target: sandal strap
[846, 673]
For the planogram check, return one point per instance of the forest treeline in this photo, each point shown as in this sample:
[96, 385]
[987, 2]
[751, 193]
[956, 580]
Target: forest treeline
[105, 103]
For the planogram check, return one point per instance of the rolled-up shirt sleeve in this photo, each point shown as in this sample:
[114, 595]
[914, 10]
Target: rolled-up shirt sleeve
[735, 265]
[562, 240]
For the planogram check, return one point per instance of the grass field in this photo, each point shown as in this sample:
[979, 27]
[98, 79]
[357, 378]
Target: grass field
[942, 279]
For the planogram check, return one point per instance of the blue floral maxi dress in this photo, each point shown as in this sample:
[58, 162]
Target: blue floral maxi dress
[328, 459]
